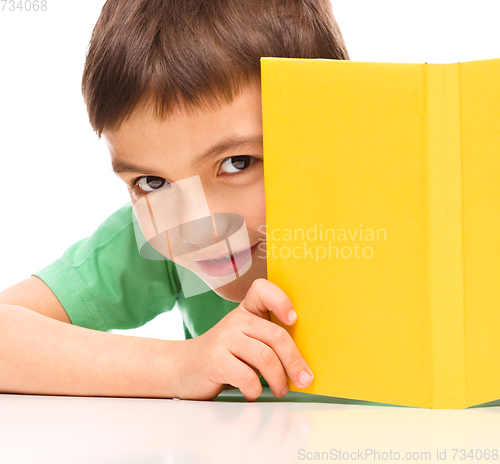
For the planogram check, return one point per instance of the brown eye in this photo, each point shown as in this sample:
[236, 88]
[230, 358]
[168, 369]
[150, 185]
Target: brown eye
[236, 163]
[151, 183]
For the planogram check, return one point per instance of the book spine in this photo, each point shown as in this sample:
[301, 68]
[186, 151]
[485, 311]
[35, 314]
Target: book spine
[444, 149]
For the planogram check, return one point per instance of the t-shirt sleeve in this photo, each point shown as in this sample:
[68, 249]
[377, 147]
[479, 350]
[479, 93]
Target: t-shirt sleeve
[103, 282]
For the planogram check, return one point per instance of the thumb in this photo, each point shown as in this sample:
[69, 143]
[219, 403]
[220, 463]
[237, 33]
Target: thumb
[264, 296]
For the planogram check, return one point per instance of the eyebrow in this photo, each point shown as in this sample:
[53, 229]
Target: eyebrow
[120, 166]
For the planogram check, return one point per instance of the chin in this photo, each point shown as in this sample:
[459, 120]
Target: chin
[237, 289]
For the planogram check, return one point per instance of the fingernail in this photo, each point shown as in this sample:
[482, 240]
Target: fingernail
[291, 316]
[284, 392]
[305, 378]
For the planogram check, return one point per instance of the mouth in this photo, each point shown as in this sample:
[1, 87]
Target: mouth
[228, 264]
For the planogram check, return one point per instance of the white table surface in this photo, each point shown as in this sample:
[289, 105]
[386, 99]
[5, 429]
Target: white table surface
[58, 429]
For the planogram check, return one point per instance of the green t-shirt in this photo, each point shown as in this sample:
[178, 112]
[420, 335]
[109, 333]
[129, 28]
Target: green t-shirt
[103, 283]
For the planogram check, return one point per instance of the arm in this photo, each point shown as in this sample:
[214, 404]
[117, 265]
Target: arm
[103, 283]
[41, 355]
[34, 294]
[41, 352]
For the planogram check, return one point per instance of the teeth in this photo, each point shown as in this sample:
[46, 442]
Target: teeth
[226, 257]
[216, 260]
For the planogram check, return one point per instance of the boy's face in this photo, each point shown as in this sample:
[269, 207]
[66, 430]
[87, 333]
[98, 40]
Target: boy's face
[224, 148]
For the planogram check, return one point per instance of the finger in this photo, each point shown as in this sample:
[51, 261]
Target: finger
[264, 296]
[261, 356]
[280, 341]
[242, 376]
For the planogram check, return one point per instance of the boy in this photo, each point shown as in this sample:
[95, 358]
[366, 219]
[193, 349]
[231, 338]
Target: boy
[174, 88]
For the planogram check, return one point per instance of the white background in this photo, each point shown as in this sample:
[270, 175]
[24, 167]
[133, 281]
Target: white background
[56, 181]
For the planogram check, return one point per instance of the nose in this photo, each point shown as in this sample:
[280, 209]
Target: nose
[204, 230]
[198, 232]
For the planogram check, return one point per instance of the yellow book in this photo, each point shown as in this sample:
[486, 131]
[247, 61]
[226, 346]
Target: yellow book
[383, 225]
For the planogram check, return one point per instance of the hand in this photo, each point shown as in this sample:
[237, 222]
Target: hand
[242, 345]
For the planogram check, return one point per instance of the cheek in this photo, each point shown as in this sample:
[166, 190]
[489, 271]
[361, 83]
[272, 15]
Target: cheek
[254, 210]
[248, 202]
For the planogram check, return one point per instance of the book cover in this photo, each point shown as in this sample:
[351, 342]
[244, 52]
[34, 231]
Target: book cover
[383, 225]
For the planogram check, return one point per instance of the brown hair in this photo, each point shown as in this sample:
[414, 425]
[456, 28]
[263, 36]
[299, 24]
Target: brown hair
[195, 52]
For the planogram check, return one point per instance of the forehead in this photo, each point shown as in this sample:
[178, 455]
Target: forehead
[187, 132]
